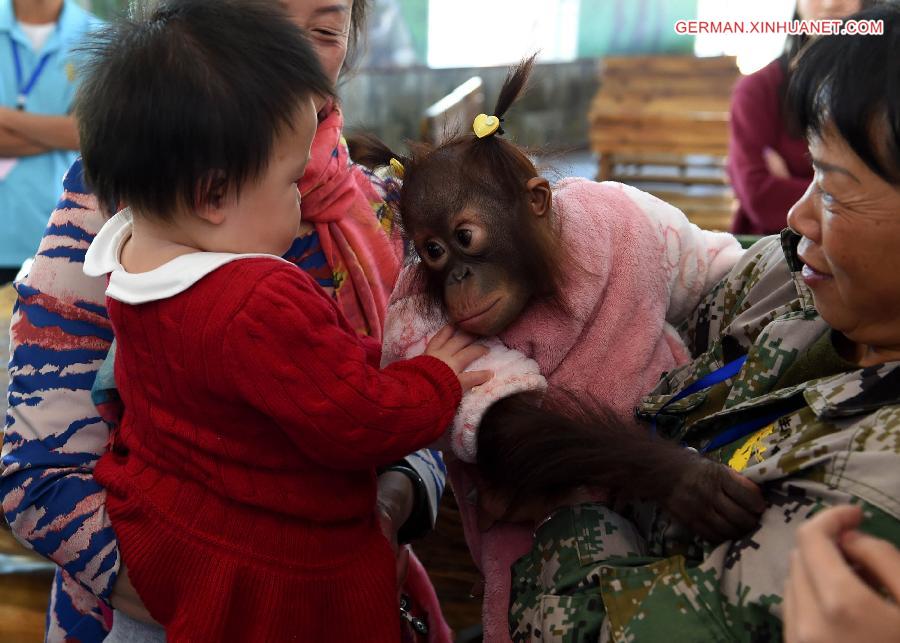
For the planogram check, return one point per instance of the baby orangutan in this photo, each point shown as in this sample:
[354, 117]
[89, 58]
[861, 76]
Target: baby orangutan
[586, 280]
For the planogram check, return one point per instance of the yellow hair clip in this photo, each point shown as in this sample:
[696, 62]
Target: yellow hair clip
[485, 125]
[398, 168]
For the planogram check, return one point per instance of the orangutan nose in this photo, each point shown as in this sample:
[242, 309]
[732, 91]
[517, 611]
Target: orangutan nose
[461, 274]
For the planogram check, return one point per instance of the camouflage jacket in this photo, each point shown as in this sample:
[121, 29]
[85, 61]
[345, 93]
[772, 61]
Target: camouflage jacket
[596, 575]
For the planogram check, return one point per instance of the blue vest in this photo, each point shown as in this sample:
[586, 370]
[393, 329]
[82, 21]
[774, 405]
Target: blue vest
[29, 192]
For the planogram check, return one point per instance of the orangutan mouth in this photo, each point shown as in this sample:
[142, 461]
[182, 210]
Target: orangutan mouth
[483, 311]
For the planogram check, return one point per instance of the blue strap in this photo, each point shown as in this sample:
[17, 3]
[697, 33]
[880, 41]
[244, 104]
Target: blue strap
[25, 89]
[707, 381]
[740, 430]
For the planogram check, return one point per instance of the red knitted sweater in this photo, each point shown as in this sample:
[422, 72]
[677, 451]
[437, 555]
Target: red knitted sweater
[242, 479]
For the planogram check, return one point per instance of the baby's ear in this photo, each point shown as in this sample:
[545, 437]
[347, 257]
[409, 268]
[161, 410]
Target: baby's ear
[210, 197]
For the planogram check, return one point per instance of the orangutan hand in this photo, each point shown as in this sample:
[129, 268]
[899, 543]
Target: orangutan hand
[712, 500]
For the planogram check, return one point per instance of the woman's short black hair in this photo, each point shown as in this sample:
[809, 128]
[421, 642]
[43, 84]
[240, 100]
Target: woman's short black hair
[197, 91]
[853, 83]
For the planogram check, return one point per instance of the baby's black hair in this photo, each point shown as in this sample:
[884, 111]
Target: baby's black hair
[194, 93]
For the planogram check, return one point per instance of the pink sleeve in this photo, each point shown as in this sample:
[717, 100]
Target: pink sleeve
[695, 259]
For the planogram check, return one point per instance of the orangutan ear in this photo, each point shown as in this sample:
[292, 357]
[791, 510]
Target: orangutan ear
[540, 197]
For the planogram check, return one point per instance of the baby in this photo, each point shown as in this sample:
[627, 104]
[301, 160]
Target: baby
[241, 480]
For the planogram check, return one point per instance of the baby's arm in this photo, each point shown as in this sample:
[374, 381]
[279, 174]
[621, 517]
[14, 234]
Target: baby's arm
[407, 329]
[338, 408]
[695, 259]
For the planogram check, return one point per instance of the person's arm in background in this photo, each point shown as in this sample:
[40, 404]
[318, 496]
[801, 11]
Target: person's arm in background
[426, 471]
[766, 198]
[50, 132]
[60, 335]
[13, 145]
[843, 585]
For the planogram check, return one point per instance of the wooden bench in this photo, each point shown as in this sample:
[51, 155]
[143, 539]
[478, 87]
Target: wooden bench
[661, 122]
[455, 112]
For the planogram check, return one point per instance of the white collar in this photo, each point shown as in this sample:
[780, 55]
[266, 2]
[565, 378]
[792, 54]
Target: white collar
[166, 281]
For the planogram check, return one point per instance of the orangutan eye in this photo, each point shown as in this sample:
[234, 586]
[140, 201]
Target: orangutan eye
[464, 237]
[434, 250]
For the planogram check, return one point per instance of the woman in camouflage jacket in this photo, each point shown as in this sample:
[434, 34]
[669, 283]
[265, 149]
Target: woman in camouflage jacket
[797, 352]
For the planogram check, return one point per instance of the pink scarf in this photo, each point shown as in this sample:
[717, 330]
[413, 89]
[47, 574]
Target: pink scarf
[365, 254]
[362, 249]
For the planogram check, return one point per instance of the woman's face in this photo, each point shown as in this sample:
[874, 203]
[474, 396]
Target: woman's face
[850, 222]
[827, 9]
[328, 25]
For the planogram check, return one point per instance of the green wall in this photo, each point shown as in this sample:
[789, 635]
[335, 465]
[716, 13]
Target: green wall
[633, 27]
[416, 14]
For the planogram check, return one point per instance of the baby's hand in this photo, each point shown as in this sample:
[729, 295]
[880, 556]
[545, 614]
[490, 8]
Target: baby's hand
[457, 349]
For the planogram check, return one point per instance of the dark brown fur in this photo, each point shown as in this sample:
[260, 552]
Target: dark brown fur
[563, 443]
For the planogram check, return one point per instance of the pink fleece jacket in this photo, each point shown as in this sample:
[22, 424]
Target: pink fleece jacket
[638, 267]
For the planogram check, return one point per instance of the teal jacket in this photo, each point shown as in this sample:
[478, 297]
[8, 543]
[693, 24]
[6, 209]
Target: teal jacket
[28, 193]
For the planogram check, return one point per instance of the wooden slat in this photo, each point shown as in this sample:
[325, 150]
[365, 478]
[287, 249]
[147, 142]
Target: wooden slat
[664, 144]
[646, 177]
[650, 127]
[669, 65]
[711, 199]
[676, 160]
[633, 106]
[699, 86]
[14, 557]
[708, 211]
